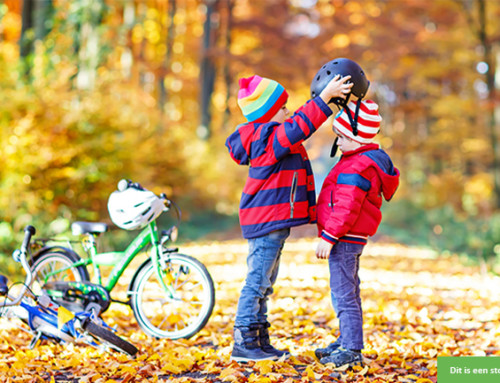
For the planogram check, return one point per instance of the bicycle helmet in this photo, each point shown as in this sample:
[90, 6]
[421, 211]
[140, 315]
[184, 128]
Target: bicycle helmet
[133, 208]
[343, 67]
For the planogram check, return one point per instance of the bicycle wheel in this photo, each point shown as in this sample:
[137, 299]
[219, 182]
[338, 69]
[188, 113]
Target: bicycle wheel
[181, 315]
[109, 339]
[46, 264]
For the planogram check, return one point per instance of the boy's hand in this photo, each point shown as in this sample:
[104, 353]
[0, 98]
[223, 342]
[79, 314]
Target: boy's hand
[323, 250]
[337, 87]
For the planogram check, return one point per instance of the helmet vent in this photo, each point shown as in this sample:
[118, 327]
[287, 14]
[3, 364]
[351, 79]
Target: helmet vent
[146, 211]
[328, 72]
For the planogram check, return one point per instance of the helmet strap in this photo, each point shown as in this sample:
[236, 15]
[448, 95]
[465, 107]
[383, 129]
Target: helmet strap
[354, 120]
[335, 146]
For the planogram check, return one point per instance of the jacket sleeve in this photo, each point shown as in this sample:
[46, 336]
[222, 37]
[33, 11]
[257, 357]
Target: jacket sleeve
[238, 145]
[294, 131]
[350, 192]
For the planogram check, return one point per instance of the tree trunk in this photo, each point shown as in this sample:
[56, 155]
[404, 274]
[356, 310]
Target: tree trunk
[34, 17]
[207, 72]
[490, 82]
[227, 71]
[26, 44]
[44, 12]
[89, 45]
[489, 59]
[163, 98]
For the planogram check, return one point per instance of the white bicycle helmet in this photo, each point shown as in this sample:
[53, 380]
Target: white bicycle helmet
[132, 208]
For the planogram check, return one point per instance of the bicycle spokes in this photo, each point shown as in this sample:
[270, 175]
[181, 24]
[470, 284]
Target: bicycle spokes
[183, 308]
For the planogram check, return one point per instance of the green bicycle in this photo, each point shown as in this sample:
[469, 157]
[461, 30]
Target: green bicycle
[172, 295]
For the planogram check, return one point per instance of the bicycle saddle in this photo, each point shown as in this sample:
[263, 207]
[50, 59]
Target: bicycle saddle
[80, 227]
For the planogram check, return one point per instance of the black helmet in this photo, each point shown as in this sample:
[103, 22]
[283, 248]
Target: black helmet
[343, 67]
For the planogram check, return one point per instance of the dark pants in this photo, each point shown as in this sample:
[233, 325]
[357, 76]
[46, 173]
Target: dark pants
[345, 293]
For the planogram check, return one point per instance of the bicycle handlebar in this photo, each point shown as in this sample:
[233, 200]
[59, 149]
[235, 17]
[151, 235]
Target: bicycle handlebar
[19, 255]
[29, 231]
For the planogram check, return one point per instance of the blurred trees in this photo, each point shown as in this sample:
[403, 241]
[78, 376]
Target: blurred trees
[146, 89]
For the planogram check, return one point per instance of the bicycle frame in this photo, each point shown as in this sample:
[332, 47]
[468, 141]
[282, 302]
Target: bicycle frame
[43, 318]
[121, 259]
[47, 318]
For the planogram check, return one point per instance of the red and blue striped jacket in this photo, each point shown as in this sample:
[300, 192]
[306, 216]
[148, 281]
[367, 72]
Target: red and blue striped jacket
[351, 196]
[279, 191]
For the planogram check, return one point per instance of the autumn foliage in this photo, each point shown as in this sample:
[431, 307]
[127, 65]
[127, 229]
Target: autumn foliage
[416, 307]
[146, 90]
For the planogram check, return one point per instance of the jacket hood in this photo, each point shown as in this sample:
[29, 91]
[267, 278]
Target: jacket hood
[388, 174]
[382, 163]
[390, 183]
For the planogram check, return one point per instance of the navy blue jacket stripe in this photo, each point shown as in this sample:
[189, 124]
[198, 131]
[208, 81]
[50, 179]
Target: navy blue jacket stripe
[354, 180]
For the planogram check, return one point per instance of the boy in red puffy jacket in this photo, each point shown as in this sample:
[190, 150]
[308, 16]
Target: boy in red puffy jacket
[278, 194]
[348, 213]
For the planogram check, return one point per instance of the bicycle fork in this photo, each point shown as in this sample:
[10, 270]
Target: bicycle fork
[160, 264]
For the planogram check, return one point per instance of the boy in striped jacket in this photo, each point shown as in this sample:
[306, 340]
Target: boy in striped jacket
[279, 193]
[348, 213]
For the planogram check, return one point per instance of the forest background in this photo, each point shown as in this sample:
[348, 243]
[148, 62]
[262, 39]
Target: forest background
[93, 91]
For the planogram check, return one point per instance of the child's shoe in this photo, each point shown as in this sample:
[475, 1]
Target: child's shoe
[343, 357]
[332, 347]
[247, 346]
[265, 342]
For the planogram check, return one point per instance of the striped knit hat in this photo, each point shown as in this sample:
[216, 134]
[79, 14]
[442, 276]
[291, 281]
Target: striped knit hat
[260, 98]
[368, 121]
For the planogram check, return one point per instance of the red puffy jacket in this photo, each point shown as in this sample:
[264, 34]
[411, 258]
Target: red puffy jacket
[350, 199]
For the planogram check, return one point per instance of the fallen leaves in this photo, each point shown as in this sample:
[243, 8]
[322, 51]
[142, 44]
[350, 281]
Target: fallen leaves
[416, 307]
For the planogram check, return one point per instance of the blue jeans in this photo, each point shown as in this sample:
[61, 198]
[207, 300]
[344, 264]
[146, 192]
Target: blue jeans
[345, 293]
[264, 254]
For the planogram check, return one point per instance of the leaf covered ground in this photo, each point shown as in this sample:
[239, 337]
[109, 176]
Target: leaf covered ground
[416, 307]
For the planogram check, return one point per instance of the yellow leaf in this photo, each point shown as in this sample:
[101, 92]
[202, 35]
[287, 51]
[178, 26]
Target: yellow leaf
[227, 372]
[264, 366]
[155, 356]
[171, 368]
[125, 369]
[310, 372]
[258, 379]
[364, 371]
[342, 368]
[286, 369]
[433, 352]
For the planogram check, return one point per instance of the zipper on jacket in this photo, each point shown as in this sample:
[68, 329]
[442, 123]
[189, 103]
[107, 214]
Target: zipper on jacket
[293, 192]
